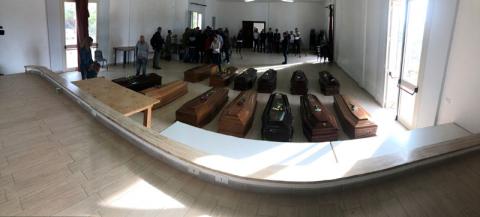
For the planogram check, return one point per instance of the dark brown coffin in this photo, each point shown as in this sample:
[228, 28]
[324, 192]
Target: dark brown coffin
[329, 85]
[267, 83]
[223, 79]
[246, 80]
[299, 83]
[277, 119]
[201, 110]
[200, 73]
[319, 124]
[237, 118]
[140, 82]
[167, 93]
[355, 120]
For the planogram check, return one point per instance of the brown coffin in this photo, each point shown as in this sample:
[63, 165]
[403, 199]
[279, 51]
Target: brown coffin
[200, 73]
[355, 120]
[201, 110]
[319, 124]
[237, 118]
[223, 79]
[167, 93]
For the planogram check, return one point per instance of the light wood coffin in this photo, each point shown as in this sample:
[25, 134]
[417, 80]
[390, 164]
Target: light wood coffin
[202, 109]
[329, 85]
[246, 80]
[167, 93]
[355, 120]
[267, 83]
[223, 79]
[299, 83]
[140, 82]
[319, 124]
[237, 118]
[277, 119]
[200, 73]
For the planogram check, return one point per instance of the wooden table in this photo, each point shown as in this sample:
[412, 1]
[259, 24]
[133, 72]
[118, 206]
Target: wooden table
[126, 51]
[119, 98]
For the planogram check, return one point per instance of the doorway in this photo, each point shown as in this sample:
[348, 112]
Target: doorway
[70, 32]
[248, 27]
[407, 20]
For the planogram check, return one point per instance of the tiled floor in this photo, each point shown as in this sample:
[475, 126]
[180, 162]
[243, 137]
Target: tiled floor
[164, 117]
[56, 160]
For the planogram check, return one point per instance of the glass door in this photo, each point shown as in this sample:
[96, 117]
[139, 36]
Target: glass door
[408, 83]
[70, 32]
[406, 32]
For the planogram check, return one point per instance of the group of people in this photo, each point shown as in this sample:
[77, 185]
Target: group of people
[207, 46]
[269, 42]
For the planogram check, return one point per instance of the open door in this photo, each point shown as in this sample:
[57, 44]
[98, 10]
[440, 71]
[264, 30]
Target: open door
[406, 32]
[248, 27]
[70, 31]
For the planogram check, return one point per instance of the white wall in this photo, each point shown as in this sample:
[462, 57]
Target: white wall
[437, 41]
[284, 16]
[360, 44]
[129, 19]
[26, 38]
[361, 39]
[460, 100]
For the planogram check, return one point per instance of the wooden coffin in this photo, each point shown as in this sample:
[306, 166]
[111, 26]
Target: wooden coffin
[167, 93]
[237, 118]
[267, 83]
[246, 80]
[202, 109]
[223, 79]
[200, 73]
[329, 85]
[277, 119]
[140, 82]
[299, 83]
[356, 122]
[319, 124]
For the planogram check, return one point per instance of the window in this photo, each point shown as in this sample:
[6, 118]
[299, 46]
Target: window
[195, 20]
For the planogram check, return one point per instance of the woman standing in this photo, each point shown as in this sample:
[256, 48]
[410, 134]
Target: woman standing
[88, 68]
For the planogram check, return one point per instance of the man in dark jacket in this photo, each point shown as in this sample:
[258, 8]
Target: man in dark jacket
[270, 40]
[157, 44]
[285, 43]
[276, 40]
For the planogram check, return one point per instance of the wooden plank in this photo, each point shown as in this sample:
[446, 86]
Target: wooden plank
[123, 100]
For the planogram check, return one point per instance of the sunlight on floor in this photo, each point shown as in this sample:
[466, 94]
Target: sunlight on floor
[285, 66]
[142, 196]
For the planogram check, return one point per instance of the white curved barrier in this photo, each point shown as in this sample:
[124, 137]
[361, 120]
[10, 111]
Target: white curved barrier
[276, 167]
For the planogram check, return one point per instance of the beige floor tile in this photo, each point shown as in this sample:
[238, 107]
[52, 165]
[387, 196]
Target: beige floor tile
[87, 207]
[53, 199]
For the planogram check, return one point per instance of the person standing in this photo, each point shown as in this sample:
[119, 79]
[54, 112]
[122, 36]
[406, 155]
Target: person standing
[276, 38]
[263, 40]
[216, 47]
[157, 44]
[256, 40]
[226, 45]
[141, 51]
[270, 40]
[297, 41]
[88, 68]
[285, 44]
[239, 42]
[168, 46]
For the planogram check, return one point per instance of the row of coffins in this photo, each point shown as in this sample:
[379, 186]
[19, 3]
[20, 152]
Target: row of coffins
[267, 83]
[318, 123]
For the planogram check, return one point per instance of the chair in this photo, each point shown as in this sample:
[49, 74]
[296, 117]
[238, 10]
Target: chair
[99, 58]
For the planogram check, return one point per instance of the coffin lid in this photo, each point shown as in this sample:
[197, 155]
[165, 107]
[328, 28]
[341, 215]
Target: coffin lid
[242, 106]
[206, 99]
[318, 110]
[353, 107]
[164, 89]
